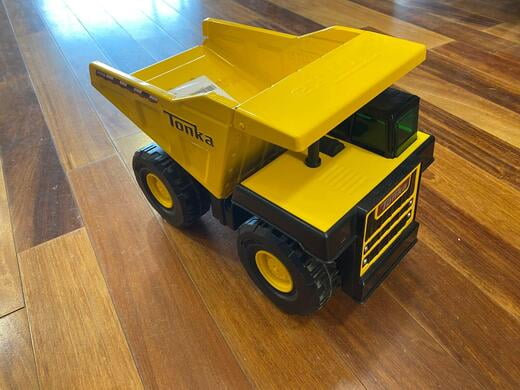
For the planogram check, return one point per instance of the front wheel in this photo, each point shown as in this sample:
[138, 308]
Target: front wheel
[293, 280]
[176, 196]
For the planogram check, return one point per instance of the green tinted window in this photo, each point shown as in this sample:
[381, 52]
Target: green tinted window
[405, 127]
[370, 132]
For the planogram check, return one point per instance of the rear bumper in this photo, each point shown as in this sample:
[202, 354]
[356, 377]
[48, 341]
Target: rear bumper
[360, 288]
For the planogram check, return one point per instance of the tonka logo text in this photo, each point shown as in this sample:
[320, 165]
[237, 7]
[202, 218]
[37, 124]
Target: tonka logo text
[189, 128]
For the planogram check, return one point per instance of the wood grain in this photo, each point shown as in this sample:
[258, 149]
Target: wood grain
[474, 82]
[353, 15]
[146, 33]
[169, 330]
[457, 237]
[78, 134]
[41, 204]
[78, 341]
[498, 121]
[449, 12]
[509, 31]
[482, 337]
[79, 49]
[17, 368]
[451, 174]
[388, 348]
[501, 70]
[173, 19]
[11, 297]
[446, 26]
[503, 10]
[111, 37]
[295, 22]
[20, 11]
[489, 153]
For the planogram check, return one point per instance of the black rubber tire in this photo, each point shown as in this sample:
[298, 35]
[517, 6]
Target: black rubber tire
[190, 199]
[314, 282]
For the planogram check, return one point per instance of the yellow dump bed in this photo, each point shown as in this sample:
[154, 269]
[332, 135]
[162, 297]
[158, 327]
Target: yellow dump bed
[291, 90]
[246, 89]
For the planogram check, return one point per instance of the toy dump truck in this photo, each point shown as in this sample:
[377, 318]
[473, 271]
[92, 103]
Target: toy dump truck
[296, 141]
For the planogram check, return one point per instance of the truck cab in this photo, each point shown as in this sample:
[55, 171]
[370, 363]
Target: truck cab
[387, 125]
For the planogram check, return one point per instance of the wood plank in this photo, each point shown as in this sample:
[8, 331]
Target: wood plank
[354, 15]
[77, 132]
[197, 11]
[449, 12]
[384, 342]
[452, 29]
[504, 10]
[182, 20]
[17, 368]
[481, 149]
[209, 254]
[175, 23]
[41, 203]
[193, 12]
[464, 67]
[481, 336]
[473, 82]
[166, 322]
[455, 236]
[492, 202]
[498, 120]
[509, 31]
[80, 49]
[294, 22]
[144, 31]
[21, 12]
[78, 341]
[111, 37]
[501, 70]
[11, 297]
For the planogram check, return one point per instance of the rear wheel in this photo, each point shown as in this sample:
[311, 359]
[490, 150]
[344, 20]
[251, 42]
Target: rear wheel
[293, 280]
[176, 196]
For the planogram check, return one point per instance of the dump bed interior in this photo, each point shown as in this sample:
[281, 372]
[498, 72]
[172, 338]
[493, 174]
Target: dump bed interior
[242, 60]
[290, 90]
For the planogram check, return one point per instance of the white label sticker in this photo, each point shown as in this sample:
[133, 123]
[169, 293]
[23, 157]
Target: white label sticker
[197, 86]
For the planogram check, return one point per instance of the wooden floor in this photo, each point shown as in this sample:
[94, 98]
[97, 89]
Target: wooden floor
[97, 292]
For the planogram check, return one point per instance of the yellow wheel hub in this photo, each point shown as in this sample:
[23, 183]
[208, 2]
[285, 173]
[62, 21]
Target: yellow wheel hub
[159, 190]
[274, 271]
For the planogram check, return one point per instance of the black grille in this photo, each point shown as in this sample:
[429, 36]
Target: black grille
[390, 235]
[373, 224]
